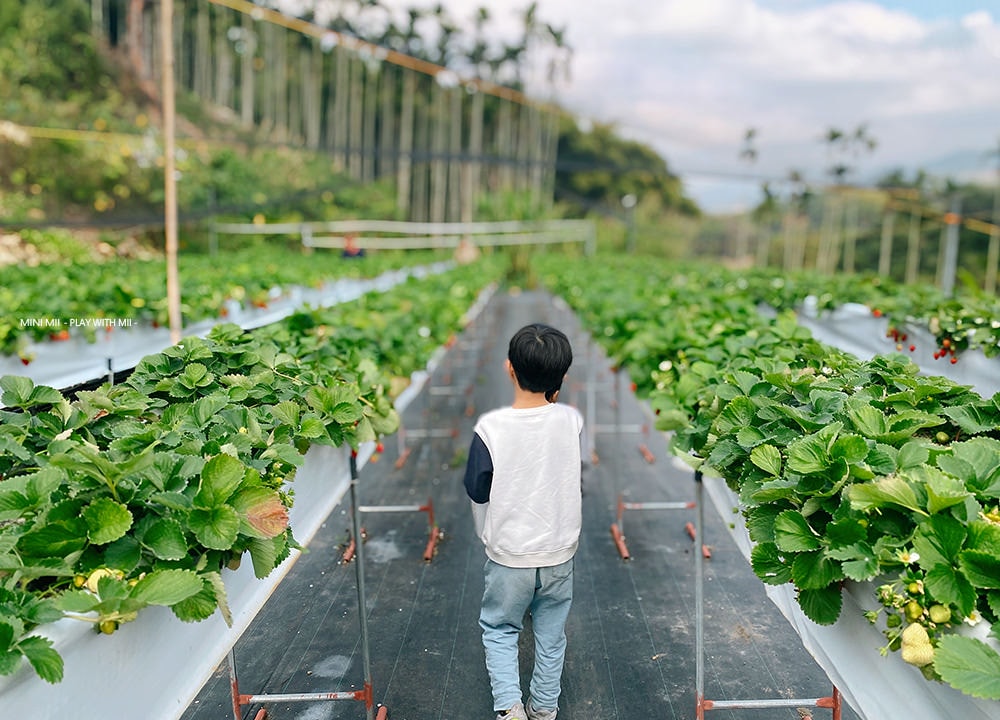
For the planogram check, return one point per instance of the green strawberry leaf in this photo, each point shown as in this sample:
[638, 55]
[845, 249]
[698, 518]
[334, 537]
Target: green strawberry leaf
[219, 479]
[767, 458]
[822, 606]
[216, 527]
[768, 564]
[166, 587]
[165, 537]
[43, 658]
[981, 568]
[106, 520]
[968, 665]
[792, 533]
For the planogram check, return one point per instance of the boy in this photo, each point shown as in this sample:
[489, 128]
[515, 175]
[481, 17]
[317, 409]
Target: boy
[523, 477]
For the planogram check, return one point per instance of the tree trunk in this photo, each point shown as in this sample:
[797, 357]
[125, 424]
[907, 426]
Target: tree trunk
[386, 164]
[404, 166]
[371, 77]
[134, 21]
[422, 134]
[438, 116]
[504, 146]
[356, 112]
[247, 74]
[341, 92]
[454, 151]
[314, 97]
[202, 55]
[473, 163]
[223, 65]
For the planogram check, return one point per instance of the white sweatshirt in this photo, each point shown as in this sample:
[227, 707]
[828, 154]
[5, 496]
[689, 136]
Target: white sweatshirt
[523, 476]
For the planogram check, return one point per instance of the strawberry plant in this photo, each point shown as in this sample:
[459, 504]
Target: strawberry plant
[135, 289]
[143, 493]
[845, 470]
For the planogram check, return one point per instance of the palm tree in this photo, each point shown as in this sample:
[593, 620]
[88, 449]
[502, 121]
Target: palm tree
[477, 54]
[559, 63]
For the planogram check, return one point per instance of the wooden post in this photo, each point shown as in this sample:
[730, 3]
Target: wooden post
[913, 249]
[885, 247]
[949, 255]
[993, 253]
[169, 171]
[851, 212]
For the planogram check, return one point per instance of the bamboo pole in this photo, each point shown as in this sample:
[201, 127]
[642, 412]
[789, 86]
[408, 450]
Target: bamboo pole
[170, 179]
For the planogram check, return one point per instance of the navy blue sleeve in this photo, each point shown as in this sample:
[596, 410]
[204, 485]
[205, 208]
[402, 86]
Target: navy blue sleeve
[479, 471]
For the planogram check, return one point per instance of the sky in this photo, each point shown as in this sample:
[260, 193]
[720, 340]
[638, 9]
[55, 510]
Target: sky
[690, 77]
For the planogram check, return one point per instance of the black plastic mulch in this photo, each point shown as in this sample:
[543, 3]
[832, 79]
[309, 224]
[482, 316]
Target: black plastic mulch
[631, 631]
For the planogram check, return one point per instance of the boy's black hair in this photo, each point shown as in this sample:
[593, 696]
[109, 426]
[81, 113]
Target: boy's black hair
[540, 356]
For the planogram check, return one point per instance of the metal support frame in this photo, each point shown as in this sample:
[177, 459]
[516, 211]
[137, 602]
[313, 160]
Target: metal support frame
[618, 527]
[434, 532]
[366, 694]
[702, 704]
[404, 450]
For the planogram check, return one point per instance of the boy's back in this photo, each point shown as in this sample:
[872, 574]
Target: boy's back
[530, 512]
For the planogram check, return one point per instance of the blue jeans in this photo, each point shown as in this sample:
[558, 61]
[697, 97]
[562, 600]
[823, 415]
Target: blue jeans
[510, 592]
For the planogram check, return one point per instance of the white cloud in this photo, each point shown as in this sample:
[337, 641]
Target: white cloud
[689, 76]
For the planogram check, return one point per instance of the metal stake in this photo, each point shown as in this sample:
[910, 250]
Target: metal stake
[359, 569]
